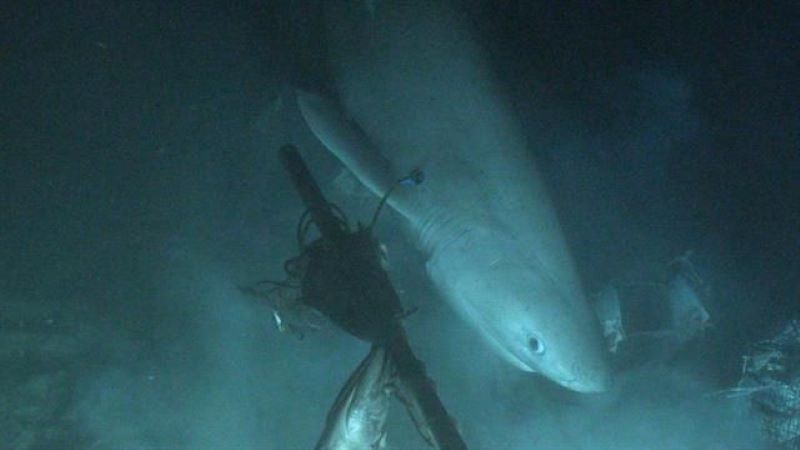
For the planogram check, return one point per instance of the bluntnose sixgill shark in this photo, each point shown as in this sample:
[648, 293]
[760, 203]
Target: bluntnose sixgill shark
[414, 92]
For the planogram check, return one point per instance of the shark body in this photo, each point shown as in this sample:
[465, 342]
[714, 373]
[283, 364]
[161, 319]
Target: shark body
[414, 92]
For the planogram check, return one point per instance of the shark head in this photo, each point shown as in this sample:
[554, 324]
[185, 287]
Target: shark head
[532, 319]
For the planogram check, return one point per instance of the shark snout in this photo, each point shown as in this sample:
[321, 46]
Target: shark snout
[593, 378]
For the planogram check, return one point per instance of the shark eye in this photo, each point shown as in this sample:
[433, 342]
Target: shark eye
[536, 345]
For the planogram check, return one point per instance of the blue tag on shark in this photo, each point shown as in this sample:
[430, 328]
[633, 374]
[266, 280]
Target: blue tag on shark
[414, 179]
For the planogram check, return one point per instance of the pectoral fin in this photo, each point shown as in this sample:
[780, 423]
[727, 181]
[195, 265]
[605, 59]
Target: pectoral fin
[348, 142]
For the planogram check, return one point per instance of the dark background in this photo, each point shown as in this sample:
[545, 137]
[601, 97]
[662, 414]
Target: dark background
[136, 135]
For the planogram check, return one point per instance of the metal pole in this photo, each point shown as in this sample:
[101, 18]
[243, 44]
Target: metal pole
[320, 210]
[418, 393]
[356, 293]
